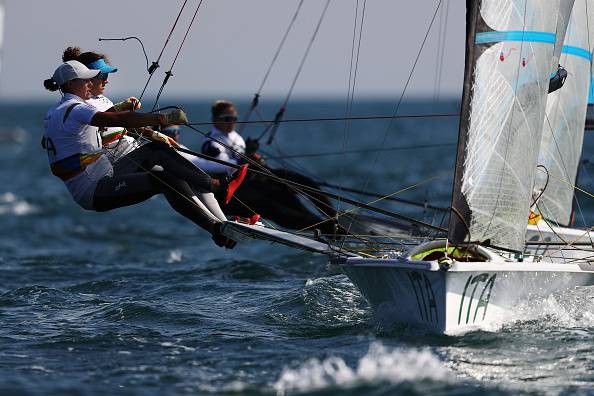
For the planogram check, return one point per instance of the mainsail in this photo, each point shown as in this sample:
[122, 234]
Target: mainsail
[563, 129]
[509, 48]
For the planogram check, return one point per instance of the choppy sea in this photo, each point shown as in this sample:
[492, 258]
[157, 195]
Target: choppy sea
[138, 301]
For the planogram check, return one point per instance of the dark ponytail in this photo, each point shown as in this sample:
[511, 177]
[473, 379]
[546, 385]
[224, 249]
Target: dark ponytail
[86, 58]
[51, 85]
[71, 53]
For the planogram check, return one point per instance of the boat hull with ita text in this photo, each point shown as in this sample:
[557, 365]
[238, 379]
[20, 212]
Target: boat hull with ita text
[460, 295]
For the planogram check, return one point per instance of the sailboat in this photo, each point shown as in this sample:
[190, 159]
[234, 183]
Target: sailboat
[484, 267]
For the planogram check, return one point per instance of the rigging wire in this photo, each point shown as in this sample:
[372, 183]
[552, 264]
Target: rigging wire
[359, 205]
[443, 28]
[328, 119]
[353, 69]
[279, 115]
[155, 65]
[358, 151]
[256, 99]
[169, 73]
[399, 102]
[298, 187]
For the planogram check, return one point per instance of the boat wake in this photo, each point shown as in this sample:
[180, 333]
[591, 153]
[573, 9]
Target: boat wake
[379, 365]
[572, 309]
[568, 310]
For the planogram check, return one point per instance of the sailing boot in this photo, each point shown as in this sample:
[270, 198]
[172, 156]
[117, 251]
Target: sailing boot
[230, 184]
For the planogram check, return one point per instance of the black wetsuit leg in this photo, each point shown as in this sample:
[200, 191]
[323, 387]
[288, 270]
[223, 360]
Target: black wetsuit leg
[152, 154]
[128, 187]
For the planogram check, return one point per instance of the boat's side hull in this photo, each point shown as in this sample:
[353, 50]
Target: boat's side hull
[447, 301]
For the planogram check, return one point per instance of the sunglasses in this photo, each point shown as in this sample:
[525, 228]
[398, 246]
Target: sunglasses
[227, 118]
[102, 76]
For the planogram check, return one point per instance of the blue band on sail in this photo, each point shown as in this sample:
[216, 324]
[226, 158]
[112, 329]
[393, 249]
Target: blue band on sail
[577, 51]
[515, 35]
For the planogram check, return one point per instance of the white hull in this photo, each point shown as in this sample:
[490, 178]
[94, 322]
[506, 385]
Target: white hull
[409, 290]
[465, 296]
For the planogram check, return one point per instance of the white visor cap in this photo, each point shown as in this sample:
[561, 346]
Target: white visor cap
[73, 69]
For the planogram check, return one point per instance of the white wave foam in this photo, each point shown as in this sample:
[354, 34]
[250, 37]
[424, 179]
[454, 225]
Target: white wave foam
[570, 309]
[175, 256]
[379, 364]
[10, 204]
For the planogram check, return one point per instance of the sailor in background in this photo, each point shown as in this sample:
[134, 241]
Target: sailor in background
[273, 200]
[77, 157]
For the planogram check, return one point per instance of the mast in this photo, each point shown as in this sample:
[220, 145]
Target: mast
[563, 129]
[509, 49]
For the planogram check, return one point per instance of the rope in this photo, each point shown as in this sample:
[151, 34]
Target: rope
[169, 73]
[264, 171]
[372, 150]
[155, 64]
[256, 98]
[281, 112]
[280, 46]
[323, 119]
[352, 82]
[397, 106]
[298, 186]
[396, 215]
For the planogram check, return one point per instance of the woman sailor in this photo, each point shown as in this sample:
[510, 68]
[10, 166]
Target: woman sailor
[115, 140]
[76, 156]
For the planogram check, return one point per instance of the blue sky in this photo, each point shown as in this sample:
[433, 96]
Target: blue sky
[231, 44]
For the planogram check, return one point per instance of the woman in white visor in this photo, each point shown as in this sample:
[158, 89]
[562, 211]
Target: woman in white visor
[76, 156]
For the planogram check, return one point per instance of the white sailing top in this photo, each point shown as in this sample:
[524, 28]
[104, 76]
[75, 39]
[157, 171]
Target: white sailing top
[74, 148]
[212, 147]
[113, 139]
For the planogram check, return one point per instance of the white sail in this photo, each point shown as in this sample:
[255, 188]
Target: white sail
[510, 45]
[563, 129]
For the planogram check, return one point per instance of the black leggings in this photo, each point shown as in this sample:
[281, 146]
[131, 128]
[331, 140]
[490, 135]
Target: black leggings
[134, 180]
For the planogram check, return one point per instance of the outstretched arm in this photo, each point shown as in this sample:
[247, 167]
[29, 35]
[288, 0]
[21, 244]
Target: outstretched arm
[126, 119]
[131, 119]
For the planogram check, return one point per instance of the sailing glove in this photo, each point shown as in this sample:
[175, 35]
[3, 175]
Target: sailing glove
[127, 105]
[160, 137]
[175, 117]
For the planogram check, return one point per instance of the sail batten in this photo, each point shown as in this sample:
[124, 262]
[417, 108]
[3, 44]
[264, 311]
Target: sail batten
[509, 48]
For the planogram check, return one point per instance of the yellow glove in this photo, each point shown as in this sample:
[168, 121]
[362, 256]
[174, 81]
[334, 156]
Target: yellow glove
[128, 105]
[160, 137]
[175, 117]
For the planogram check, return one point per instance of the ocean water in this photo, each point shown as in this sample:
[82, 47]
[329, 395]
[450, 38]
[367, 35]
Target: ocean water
[139, 301]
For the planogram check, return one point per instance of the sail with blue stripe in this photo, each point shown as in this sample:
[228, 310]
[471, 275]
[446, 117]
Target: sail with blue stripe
[563, 129]
[503, 107]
